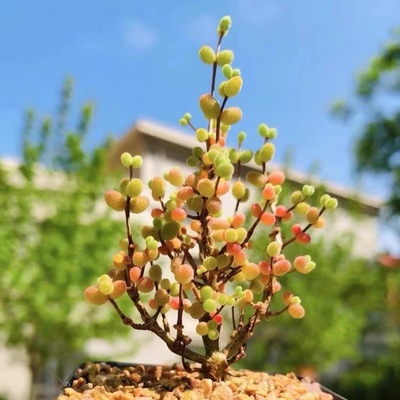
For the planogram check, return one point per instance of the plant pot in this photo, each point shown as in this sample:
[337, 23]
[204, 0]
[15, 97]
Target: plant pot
[173, 382]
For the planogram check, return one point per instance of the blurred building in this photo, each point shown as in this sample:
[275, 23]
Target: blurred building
[161, 148]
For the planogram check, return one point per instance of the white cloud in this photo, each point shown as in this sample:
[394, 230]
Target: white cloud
[139, 35]
[258, 11]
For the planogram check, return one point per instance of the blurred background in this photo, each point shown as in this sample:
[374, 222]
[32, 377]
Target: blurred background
[76, 77]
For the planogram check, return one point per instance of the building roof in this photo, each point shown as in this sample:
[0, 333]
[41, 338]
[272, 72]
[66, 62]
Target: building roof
[389, 261]
[133, 141]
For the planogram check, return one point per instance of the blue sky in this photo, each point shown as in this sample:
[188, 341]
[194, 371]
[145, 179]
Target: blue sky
[139, 59]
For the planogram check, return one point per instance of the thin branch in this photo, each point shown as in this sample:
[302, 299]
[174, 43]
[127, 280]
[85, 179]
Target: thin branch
[305, 229]
[276, 313]
[192, 126]
[126, 320]
[215, 65]
[179, 325]
[218, 125]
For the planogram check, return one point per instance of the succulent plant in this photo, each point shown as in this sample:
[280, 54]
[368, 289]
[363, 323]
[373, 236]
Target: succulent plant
[196, 261]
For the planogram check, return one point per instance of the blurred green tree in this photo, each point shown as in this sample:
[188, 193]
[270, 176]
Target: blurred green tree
[349, 329]
[337, 314]
[377, 147]
[54, 235]
[377, 151]
[349, 336]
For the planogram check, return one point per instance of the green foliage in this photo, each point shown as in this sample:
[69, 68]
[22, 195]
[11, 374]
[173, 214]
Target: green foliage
[336, 311]
[349, 334]
[382, 71]
[377, 151]
[53, 237]
[378, 143]
[376, 373]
